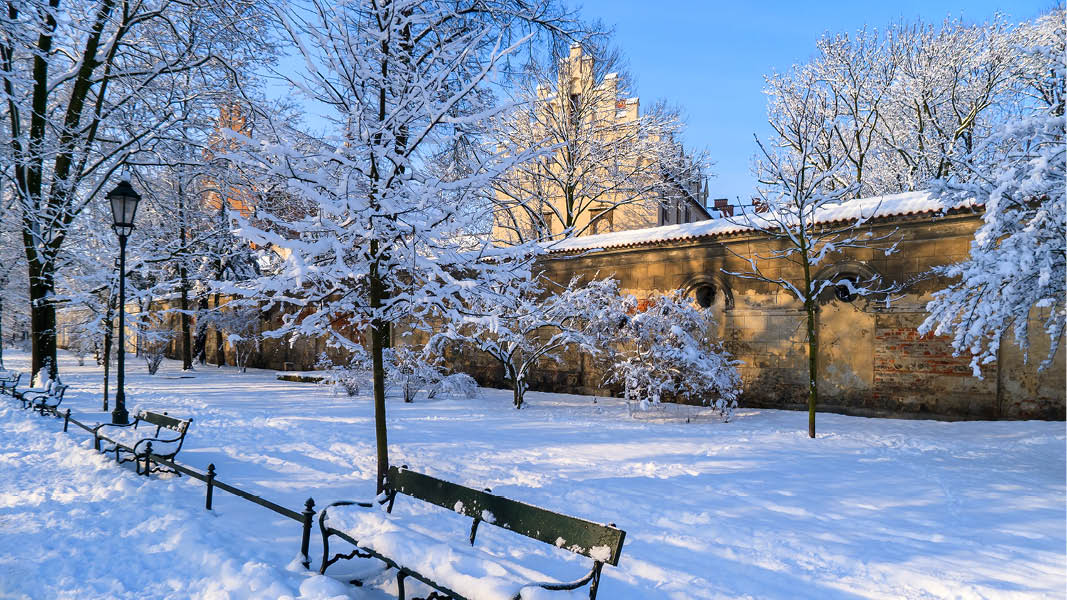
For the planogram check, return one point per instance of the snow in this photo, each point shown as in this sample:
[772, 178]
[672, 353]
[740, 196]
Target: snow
[872, 508]
[907, 203]
[72, 525]
[471, 571]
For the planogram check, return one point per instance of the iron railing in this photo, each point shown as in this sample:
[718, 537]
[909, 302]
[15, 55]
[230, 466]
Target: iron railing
[305, 517]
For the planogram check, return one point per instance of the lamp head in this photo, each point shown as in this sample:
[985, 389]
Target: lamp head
[124, 200]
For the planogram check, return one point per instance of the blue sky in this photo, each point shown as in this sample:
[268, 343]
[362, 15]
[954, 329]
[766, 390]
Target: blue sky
[710, 57]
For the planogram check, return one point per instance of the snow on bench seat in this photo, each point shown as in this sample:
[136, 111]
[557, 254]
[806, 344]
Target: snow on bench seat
[467, 570]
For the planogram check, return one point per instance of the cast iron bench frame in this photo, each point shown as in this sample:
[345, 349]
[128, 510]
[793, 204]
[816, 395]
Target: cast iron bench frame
[160, 421]
[48, 401]
[8, 383]
[48, 384]
[524, 519]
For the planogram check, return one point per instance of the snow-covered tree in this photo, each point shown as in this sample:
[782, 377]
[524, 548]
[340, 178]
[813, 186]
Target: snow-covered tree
[665, 352]
[1015, 271]
[13, 293]
[904, 104]
[527, 321]
[376, 233]
[800, 197]
[608, 162]
[81, 89]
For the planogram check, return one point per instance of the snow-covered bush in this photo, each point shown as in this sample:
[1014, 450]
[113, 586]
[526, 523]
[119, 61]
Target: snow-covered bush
[347, 374]
[80, 344]
[153, 351]
[243, 329]
[412, 369]
[530, 320]
[155, 336]
[456, 385]
[666, 353]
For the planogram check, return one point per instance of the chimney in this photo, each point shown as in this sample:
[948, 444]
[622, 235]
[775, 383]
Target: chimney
[759, 206]
[723, 206]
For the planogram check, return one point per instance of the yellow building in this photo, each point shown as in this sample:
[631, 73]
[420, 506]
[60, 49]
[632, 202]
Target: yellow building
[610, 168]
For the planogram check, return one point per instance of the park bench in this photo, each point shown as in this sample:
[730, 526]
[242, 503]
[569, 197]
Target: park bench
[142, 446]
[33, 392]
[459, 570]
[47, 402]
[9, 381]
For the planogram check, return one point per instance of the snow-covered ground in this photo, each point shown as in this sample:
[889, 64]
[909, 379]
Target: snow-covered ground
[872, 508]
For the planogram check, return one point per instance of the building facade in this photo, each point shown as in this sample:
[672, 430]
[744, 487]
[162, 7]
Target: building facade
[611, 168]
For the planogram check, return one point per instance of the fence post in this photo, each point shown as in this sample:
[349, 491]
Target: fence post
[210, 485]
[66, 420]
[305, 541]
[147, 458]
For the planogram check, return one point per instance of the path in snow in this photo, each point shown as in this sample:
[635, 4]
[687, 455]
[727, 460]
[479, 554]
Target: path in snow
[873, 508]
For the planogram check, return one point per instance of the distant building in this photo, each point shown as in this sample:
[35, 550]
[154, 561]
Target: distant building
[534, 198]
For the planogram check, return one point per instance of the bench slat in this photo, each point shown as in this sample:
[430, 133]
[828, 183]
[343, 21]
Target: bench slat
[162, 420]
[597, 541]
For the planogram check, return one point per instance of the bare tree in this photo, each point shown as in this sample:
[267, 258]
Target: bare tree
[801, 218]
[609, 165]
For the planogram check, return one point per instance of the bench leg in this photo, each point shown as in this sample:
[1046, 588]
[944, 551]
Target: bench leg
[400, 576]
[325, 549]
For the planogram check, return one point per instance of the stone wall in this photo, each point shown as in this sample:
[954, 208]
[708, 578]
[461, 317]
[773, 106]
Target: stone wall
[872, 359]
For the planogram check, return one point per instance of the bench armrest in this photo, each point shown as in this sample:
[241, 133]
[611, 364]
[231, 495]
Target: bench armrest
[146, 440]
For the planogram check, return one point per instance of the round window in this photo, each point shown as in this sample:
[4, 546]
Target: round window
[843, 292]
[704, 296]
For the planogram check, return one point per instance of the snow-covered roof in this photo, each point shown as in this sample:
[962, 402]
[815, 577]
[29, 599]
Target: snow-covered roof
[908, 203]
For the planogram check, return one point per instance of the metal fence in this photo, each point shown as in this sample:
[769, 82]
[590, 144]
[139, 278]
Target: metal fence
[305, 517]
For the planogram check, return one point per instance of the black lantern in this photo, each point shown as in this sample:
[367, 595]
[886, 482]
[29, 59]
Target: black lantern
[124, 200]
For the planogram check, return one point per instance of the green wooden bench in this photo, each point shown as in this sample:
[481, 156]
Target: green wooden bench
[123, 440]
[417, 555]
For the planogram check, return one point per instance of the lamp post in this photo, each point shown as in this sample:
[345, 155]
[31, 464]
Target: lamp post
[124, 201]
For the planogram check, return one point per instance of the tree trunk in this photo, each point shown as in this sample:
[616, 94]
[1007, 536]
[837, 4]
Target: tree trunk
[183, 273]
[517, 395]
[2, 286]
[518, 388]
[377, 348]
[200, 341]
[108, 336]
[42, 319]
[813, 365]
[220, 348]
[186, 341]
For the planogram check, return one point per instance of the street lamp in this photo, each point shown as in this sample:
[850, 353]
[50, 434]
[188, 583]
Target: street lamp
[124, 201]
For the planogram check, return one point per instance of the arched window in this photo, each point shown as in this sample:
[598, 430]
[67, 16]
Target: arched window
[704, 295]
[709, 291]
[843, 291]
